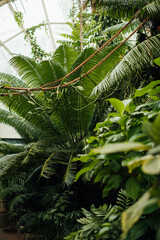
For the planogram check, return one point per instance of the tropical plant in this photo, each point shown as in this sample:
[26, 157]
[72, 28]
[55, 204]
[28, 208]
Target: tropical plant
[126, 138]
[55, 122]
[54, 125]
[94, 30]
[37, 52]
[102, 222]
[124, 72]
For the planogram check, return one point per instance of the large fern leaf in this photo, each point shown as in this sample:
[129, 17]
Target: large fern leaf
[70, 172]
[7, 148]
[136, 60]
[28, 131]
[65, 56]
[27, 69]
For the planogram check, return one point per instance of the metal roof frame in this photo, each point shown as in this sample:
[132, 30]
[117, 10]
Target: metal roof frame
[23, 30]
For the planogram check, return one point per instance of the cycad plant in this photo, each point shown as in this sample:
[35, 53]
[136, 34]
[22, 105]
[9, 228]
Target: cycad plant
[54, 125]
[52, 122]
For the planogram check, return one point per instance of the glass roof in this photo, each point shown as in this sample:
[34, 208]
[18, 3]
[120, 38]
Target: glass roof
[54, 13]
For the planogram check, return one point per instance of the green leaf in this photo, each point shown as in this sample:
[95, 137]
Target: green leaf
[80, 88]
[147, 89]
[156, 129]
[133, 213]
[88, 168]
[115, 181]
[152, 129]
[117, 104]
[120, 147]
[155, 91]
[133, 188]
[157, 61]
[129, 106]
[137, 162]
[152, 166]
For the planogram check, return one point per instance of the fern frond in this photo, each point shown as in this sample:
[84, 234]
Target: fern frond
[115, 28]
[70, 172]
[123, 200]
[65, 56]
[10, 188]
[22, 126]
[7, 148]
[18, 200]
[48, 169]
[27, 69]
[136, 60]
[10, 162]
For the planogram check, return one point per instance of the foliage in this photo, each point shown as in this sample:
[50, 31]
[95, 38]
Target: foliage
[41, 209]
[126, 138]
[135, 61]
[36, 50]
[94, 33]
[102, 222]
[54, 126]
[19, 18]
[37, 179]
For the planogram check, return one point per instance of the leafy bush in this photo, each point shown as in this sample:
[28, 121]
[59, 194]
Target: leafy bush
[129, 138]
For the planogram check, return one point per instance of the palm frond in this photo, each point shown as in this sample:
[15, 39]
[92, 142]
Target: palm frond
[23, 127]
[121, 8]
[136, 60]
[11, 80]
[10, 162]
[47, 168]
[18, 200]
[70, 172]
[124, 9]
[152, 10]
[65, 56]
[7, 148]
[115, 28]
[27, 69]
[49, 71]
[34, 110]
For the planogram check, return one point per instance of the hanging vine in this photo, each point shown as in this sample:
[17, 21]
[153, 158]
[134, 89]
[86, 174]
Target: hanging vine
[18, 16]
[36, 50]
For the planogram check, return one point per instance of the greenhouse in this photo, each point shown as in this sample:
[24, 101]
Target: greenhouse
[79, 120]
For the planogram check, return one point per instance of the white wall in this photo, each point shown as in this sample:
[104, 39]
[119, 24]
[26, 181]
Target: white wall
[7, 131]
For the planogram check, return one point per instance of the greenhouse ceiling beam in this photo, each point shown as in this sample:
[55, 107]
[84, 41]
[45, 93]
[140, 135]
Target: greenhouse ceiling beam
[22, 27]
[49, 26]
[58, 23]
[7, 40]
[2, 2]
[5, 47]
